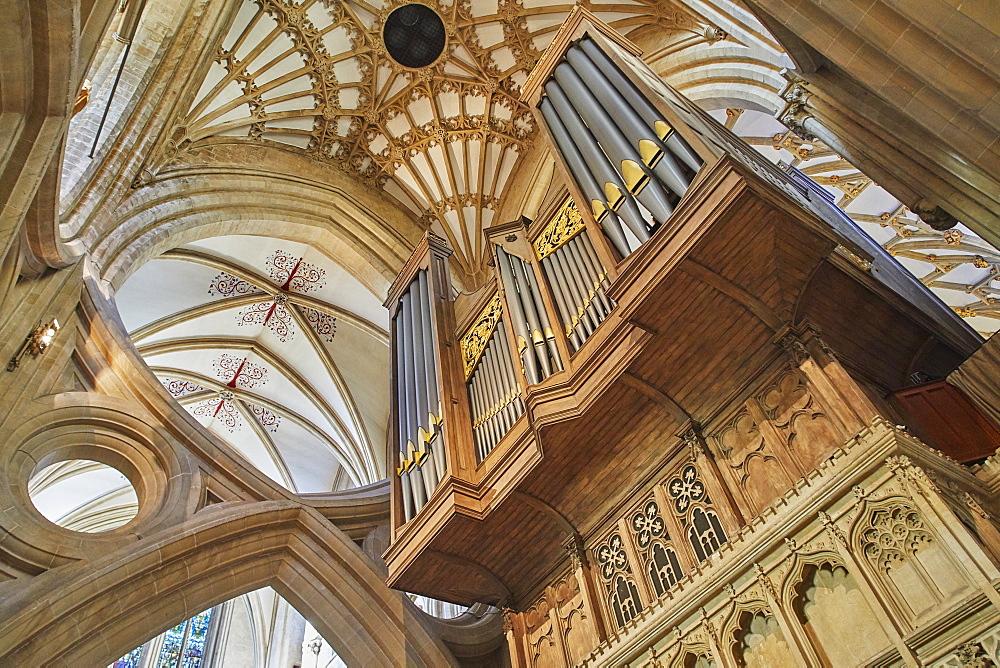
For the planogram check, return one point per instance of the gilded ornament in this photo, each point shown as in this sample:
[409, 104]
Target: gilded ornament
[475, 340]
[565, 224]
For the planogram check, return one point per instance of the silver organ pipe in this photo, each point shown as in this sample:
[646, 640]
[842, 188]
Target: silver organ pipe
[535, 340]
[574, 273]
[618, 197]
[610, 134]
[421, 451]
[592, 190]
[653, 152]
[494, 391]
[642, 106]
[639, 178]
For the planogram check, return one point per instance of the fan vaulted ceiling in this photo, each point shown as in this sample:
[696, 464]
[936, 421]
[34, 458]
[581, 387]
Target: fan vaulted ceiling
[315, 76]
[274, 348]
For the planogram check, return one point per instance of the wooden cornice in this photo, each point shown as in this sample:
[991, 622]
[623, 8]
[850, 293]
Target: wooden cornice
[579, 22]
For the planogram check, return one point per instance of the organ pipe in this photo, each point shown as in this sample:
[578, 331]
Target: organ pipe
[538, 353]
[619, 198]
[492, 383]
[653, 152]
[609, 133]
[421, 451]
[607, 218]
[638, 101]
[638, 177]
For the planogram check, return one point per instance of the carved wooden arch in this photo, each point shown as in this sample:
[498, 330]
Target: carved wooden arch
[136, 592]
[369, 243]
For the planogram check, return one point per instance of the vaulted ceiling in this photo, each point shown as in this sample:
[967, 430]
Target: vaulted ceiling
[442, 140]
[275, 349]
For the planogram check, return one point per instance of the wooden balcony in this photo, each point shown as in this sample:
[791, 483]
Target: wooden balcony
[704, 313]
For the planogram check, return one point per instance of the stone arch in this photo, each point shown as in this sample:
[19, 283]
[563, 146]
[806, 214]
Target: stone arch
[863, 634]
[117, 432]
[371, 242]
[226, 550]
[904, 556]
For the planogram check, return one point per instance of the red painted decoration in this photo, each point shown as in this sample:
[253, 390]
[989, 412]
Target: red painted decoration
[180, 388]
[293, 274]
[238, 372]
[267, 419]
[323, 324]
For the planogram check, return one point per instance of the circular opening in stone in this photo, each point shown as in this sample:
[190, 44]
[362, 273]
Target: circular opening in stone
[414, 35]
[83, 495]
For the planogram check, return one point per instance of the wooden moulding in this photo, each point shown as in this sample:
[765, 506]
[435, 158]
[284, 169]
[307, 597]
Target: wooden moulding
[432, 254]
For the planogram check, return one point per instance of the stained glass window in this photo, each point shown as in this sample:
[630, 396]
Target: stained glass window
[183, 646]
[170, 651]
[130, 660]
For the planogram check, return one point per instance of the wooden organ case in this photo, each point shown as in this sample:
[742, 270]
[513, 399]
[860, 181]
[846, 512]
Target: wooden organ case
[684, 333]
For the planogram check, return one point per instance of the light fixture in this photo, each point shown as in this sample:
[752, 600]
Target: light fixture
[36, 343]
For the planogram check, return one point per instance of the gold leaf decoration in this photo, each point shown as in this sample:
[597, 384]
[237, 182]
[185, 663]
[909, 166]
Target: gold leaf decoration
[565, 225]
[475, 340]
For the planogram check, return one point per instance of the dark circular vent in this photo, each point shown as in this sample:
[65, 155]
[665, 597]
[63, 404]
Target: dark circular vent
[414, 35]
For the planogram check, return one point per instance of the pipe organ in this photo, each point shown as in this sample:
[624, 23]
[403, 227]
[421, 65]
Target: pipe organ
[575, 274]
[421, 454]
[536, 346]
[639, 406]
[625, 158]
[494, 391]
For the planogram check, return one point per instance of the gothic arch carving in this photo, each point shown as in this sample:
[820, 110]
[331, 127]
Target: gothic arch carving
[212, 557]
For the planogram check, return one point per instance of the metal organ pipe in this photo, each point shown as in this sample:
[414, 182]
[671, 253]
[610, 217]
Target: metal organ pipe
[590, 273]
[430, 371]
[499, 392]
[522, 293]
[517, 405]
[626, 158]
[543, 316]
[609, 221]
[598, 162]
[638, 102]
[404, 475]
[657, 156]
[421, 393]
[584, 310]
[406, 332]
[525, 350]
[558, 291]
[573, 298]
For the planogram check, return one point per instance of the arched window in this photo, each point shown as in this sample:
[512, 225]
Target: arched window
[664, 568]
[625, 600]
[693, 507]
[617, 577]
[182, 646]
[705, 533]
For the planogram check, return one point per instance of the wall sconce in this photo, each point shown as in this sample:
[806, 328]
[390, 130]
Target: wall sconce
[37, 342]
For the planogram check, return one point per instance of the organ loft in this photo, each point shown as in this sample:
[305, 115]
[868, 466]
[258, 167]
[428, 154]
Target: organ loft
[499, 333]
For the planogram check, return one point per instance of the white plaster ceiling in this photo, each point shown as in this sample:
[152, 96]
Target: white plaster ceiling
[274, 348]
[958, 266]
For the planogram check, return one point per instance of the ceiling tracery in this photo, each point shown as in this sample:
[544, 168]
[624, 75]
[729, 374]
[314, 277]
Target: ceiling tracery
[274, 348]
[315, 76]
